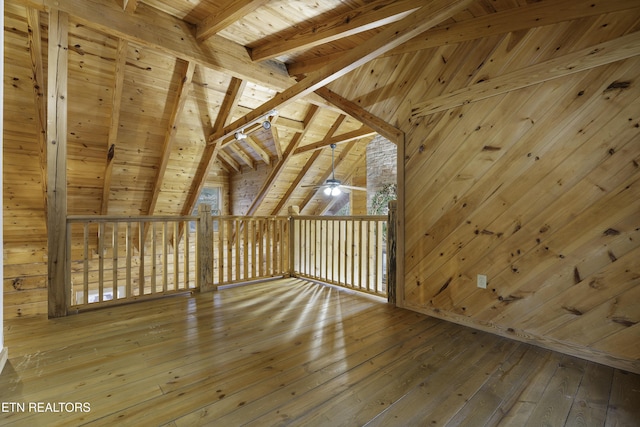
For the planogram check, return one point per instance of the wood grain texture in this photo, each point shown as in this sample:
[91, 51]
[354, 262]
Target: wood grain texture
[293, 352]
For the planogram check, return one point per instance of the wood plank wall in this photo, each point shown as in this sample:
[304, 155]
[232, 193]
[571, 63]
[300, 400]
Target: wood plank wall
[537, 188]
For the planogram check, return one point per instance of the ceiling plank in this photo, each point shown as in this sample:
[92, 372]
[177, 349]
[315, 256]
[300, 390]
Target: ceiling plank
[307, 166]
[278, 167]
[209, 154]
[392, 133]
[532, 15]
[341, 157]
[363, 132]
[601, 54]
[116, 102]
[366, 17]
[392, 36]
[231, 12]
[165, 33]
[178, 105]
[35, 51]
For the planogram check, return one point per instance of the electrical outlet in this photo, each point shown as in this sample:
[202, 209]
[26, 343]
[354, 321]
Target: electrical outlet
[482, 281]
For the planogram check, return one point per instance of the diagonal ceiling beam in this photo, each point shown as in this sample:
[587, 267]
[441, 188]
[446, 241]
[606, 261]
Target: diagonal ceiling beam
[278, 167]
[392, 36]
[601, 54]
[209, 154]
[367, 17]
[258, 149]
[35, 50]
[515, 19]
[130, 6]
[237, 149]
[116, 102]
[307, 166]
[231, 12]
[392, 133]
[229, 160]
[170, 135]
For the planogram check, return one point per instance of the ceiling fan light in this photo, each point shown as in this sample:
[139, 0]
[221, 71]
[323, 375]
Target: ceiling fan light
[335, 191]
[327, 191]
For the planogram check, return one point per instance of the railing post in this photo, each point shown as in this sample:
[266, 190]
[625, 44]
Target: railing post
[391, 251]
[205, 249]
[294, 211]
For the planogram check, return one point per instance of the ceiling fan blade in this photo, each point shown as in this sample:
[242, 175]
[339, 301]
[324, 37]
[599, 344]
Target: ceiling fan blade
[351, 187]
[312, 186]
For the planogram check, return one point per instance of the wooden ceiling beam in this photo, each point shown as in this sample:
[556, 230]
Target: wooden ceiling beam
[169, 138]
[251, 142]
[392, 36]
[515, 19]
[116, 102]
[392, 133]
[278, 167]
[276, 141]
[34, 36]
[229, 160]
[284, 122]
[160, 31]
[130, 6]
[366, 17]
[231, 12]
[307, 166]
[601, 54]
[363, 132]
[238, 151]
[209, 154]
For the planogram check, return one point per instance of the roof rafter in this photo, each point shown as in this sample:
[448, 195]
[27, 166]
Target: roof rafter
[229, 160]
[392, 36]
[237, 149]
[521, 18]
[278, 167]
[169, 138]
[367, 17]
[227, 15]
[601, 54]
[251, 142]
[209, 154]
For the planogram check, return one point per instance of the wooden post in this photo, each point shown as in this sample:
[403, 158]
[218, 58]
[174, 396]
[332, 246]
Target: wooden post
[204, 255]
[294, 211]
[57, 164]
[391, 251]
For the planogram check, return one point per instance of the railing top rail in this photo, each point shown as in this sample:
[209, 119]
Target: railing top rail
[342, 218]
[226, 217]
[123, 218]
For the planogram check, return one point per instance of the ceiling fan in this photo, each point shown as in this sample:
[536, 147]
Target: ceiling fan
[333, 186]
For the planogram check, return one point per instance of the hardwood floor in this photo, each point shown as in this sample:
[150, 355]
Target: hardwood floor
[294, 352]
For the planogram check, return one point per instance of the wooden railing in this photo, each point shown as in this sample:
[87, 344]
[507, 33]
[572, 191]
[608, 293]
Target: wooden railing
[344, 251]
[120, 259]
[249, 248]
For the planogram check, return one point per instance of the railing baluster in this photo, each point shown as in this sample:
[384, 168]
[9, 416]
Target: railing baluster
[165, 256]
[100, 262]
[128, 248]
[114, 259]
[153, 258]
[85, 284]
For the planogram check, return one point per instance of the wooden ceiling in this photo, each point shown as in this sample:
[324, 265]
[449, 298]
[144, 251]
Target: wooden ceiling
[516, 123]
